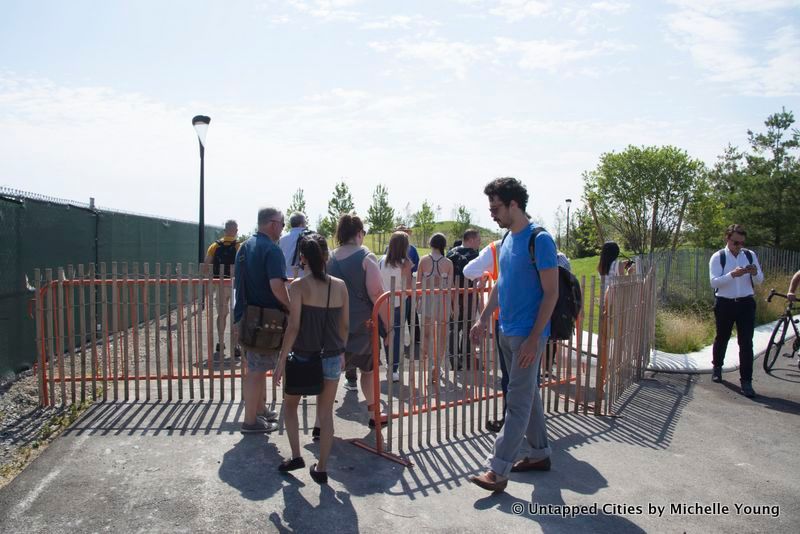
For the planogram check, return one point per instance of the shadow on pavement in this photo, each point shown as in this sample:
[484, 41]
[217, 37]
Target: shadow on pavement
[299, 515]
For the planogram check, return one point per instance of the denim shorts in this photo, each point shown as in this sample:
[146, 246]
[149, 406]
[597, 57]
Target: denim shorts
[260, 363]
[332, 367]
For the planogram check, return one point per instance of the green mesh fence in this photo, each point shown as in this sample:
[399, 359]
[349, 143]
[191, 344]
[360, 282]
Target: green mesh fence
[41, 232]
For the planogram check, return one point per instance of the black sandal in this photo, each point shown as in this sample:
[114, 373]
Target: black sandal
[291, 465]
[320, 477]
[315, 433]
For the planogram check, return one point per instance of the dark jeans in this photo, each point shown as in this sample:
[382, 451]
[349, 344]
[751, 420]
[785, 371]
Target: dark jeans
[416, 323]
[461, 324]
[396, 342]
[741, 312]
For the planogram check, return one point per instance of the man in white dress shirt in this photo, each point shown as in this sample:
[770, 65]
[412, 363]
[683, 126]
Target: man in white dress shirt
[733, 271]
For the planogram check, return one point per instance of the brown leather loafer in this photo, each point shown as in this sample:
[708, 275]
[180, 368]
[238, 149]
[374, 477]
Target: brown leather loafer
[531, 465]
[486, 483]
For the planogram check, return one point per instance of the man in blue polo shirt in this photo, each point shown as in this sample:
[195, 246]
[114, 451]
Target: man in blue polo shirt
[260, 280]
[527, 292]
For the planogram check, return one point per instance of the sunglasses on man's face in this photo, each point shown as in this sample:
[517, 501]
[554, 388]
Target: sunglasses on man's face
[737, 243]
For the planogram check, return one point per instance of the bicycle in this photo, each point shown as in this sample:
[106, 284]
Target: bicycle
[778, 338]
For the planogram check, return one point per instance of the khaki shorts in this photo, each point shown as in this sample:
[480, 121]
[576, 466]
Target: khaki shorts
[358, 361]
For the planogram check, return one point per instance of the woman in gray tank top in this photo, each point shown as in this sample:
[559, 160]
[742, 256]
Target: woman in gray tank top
[358, 267]
[318, 326]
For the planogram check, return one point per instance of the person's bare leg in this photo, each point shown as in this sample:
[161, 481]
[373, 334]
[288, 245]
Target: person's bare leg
[325, 416]
[222, 321]
[262, 394]
[292, 423]
[253, 384]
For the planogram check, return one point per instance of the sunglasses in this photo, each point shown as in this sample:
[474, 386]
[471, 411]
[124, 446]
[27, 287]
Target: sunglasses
[737, 243]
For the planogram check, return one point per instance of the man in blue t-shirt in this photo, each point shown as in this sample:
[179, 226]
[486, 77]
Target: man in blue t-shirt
[260, 280]
[526, 292]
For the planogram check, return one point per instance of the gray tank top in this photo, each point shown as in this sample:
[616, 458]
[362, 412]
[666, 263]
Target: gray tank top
[316, 329]
[352, 272]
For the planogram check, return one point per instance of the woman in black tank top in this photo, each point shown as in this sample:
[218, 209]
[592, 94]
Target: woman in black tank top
[318, 325]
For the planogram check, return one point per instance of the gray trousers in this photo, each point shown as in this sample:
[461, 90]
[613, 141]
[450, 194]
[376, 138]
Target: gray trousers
[524, 411]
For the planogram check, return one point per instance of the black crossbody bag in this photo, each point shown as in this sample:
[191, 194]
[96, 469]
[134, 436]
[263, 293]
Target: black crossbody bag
[304, 375]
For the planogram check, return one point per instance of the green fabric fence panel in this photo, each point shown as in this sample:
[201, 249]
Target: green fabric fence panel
[42, 232]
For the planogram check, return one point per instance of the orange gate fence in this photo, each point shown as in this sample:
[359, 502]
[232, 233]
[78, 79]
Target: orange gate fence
[129, 334]
[443, 388]
[138, 334]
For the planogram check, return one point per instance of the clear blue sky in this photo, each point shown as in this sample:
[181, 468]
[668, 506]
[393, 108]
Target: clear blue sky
[431, 98]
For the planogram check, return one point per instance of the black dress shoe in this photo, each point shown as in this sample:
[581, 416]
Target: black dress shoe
[747, 389]
[495, 426]
[320, 477]
[716, 375]
[291, 465]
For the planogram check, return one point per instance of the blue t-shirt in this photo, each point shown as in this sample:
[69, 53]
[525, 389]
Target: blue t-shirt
[264, 262]
[519, 287]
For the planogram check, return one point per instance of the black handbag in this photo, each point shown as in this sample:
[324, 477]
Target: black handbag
[304, 373]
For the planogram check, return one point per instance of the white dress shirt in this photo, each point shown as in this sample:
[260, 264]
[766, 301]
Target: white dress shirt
[724, 283]
[288, 243]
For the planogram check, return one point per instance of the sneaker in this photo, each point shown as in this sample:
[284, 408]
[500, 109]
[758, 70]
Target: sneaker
[351, 385]
[395, 377]
[716, 375]
[747, 389]
[259, 427]
[237, 352]
[268, 415]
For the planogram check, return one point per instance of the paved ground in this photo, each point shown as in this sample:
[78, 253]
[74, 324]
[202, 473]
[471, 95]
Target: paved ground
[678, 440]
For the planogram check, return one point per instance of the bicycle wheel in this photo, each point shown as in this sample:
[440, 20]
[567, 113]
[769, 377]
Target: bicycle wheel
[775, 344]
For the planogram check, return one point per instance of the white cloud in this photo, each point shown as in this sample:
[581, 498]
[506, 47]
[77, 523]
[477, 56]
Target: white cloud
[611, 7]
[549, 55]
[516, 10]
[452, 56]
[722, 40]
[403, 22]
[723, 7]
[326, 10]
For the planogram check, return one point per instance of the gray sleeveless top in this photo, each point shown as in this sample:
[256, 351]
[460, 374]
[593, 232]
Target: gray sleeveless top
[352, 272]
[314, 328]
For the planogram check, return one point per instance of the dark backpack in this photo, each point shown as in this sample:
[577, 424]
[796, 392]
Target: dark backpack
[570, 298]
[224, 254]
[296, 254]
[723, 259]
[461, 256]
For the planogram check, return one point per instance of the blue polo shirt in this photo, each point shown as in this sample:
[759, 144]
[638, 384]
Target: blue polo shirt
[519, 286]
[258, 261]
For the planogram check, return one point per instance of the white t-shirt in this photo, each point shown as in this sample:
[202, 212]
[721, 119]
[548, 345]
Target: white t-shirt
[387, 272]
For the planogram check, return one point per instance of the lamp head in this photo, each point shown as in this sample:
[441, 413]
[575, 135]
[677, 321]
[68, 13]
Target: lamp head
[200, 123]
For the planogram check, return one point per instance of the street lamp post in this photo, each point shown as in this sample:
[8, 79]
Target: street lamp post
[200, 123]
[568, 201]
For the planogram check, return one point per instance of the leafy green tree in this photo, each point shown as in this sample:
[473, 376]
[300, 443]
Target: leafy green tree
[380, 215]
[340, 203]
[769, 189]
[640, 193]
[759, 190]
[583, 240]
[463, 220]
[424, 222]
[298, 203]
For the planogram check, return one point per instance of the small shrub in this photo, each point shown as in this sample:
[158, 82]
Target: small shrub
[766, 312]
[682, 332]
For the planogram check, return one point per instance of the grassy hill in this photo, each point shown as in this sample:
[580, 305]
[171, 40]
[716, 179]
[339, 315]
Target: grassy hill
[377, 242]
